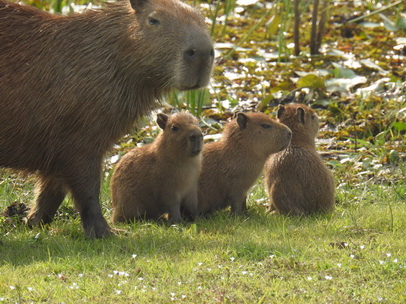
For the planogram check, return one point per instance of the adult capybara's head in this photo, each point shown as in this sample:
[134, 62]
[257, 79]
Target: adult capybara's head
[258, 132]
[300, 119]
[181, 134]
[176, 37]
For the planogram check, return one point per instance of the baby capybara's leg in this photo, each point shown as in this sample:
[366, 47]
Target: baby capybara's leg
[50, 193]
[189, 206]
[173, 208]
[85, 191]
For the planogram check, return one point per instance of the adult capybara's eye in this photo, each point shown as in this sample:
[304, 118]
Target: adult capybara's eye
[174, 128]
[266, 126]
[153, 21]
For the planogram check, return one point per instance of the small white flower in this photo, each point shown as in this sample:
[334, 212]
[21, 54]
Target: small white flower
[110, 275]
[222, 278]
[134, 256]
[173, 299]
[183, 296]
[208, 269]
[30, 288]
[200, 263]
[232, 258]
[395, 260]
[309, 278]
[172, 294]
[362, 247]
[339, 264]
[380, 299]
[388, 255]
[381, 262]
[352, 256]
[179, 283]
[272, 256]
[80, 275]
[12, 287]
[199, 287]
[251, 274]
[220, 266]
[244, 272]
[328, 277]
[118, 291]
[140, 278]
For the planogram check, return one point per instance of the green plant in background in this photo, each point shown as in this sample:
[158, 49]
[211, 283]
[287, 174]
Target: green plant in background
[193, 101]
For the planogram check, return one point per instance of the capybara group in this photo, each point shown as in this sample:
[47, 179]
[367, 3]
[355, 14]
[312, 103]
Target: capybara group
[70, 86]
[161, 177]
[232, 165]
[297, 180]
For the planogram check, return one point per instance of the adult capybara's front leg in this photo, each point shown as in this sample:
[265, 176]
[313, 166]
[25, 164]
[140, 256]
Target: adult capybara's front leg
[85, 191]
[50, 193]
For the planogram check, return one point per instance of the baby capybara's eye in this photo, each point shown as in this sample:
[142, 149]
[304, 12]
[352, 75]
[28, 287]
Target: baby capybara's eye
[266, 126]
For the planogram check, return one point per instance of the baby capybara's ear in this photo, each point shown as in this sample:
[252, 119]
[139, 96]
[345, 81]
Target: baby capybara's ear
[138, 4]
[300, 115]
[162, 120]
[242, 120]
[281, 110]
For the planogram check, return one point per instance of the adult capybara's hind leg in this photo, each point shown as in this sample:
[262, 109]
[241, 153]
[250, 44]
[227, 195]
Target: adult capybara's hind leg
[85, 191]
[50, 192]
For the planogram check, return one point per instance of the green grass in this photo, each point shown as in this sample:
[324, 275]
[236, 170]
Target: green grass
[258, 258]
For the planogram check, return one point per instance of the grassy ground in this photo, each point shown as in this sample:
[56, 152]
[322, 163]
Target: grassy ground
[356, 255]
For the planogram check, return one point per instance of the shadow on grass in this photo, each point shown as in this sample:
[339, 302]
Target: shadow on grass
[251, 237]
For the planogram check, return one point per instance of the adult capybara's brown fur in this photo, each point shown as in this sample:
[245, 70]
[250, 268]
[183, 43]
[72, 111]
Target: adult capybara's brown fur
[232, 165]
[162, 177]
[70, 86]
[297, 181]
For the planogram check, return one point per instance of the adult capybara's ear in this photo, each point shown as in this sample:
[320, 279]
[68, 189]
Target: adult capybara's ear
[162, 119]
[138, 4]
[281, 110]
[242, 120]
[300, 115]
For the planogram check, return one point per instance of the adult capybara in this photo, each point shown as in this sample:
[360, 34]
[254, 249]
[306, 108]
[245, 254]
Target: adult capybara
[162, 177]
[70, 86]
[232, 165]
[297, 181]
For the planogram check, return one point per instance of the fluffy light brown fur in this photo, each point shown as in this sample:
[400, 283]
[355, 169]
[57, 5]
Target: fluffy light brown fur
[297, 181]
[70, 86]
[161, 177]
[232, 165]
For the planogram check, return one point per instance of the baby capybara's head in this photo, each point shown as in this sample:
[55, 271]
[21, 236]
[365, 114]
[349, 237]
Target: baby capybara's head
[181, 134]
[300, 118]
[176, 37]
[259, 133]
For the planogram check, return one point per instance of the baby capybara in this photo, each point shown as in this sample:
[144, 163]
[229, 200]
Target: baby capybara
[161, 177]
[232, 165]
[297, 181]
[70, 86]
